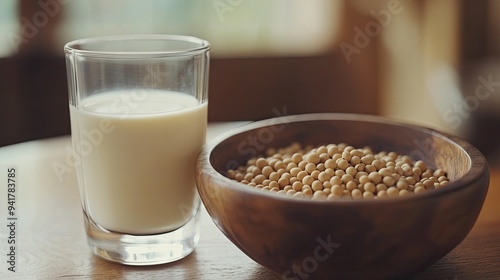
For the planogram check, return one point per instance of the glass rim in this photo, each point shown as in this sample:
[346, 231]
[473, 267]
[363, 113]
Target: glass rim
[199, 45]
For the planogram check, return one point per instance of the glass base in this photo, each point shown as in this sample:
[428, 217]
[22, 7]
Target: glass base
[142, 250]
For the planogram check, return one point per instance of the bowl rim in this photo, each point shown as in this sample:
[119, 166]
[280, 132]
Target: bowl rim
[478, 164]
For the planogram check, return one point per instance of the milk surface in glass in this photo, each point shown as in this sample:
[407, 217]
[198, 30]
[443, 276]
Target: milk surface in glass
[137, 152]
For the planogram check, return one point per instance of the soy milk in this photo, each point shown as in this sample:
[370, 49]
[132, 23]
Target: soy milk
[138, 151]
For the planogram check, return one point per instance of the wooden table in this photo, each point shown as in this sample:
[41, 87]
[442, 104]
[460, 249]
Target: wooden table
[51, 243]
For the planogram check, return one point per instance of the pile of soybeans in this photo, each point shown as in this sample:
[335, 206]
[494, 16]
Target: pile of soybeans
[337, 172]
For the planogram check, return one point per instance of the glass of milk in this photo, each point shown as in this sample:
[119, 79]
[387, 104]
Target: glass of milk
[138, 108]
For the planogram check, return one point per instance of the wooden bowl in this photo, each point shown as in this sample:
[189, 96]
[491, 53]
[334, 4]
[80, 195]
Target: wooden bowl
[360, 239]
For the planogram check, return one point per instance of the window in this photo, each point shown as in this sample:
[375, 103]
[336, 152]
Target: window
[9, 27]
[235, 28]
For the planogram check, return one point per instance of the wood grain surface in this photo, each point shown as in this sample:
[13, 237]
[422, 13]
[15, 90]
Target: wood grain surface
[51, 240]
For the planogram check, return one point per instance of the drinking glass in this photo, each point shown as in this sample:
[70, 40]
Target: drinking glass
[138, 110]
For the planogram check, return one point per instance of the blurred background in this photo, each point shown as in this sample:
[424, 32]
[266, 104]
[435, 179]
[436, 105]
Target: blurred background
[429, 62]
